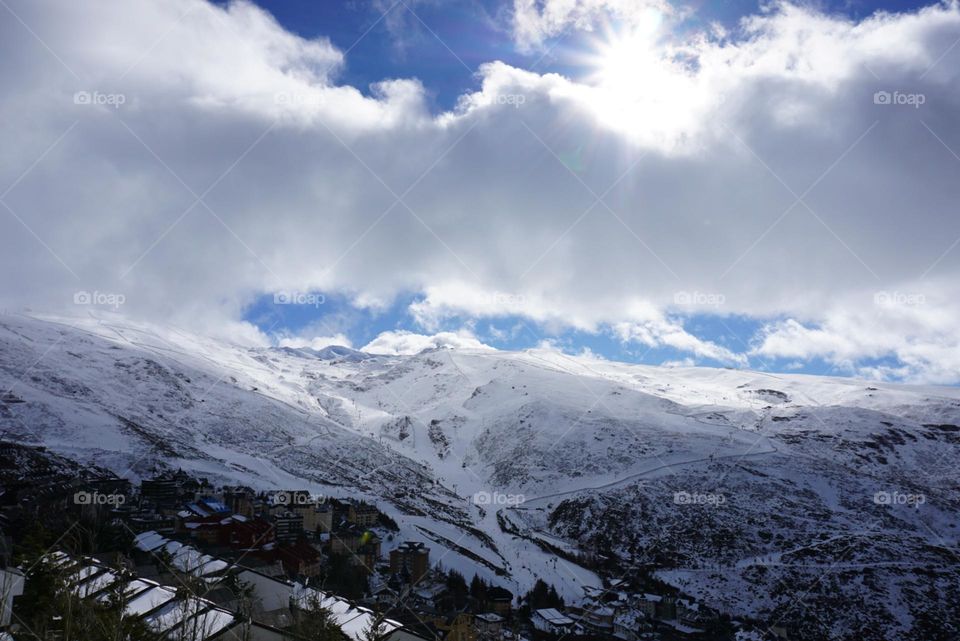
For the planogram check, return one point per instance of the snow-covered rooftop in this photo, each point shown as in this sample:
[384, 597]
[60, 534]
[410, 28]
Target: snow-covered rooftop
[351, 619]
[554, 616]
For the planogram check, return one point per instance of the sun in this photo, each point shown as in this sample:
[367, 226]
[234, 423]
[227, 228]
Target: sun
[624, 55]
[634, 82]
[620, 61]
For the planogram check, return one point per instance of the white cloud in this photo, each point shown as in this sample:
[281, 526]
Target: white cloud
[404, 342]
[646, 325]
[499, 212]
[919, 332]
[650, 327]
[315, 342]
[662, 332]
[535, 21]
[589, 354]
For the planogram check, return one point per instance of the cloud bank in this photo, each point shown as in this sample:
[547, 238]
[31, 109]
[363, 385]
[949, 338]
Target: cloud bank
[401, 342]
[192, 158]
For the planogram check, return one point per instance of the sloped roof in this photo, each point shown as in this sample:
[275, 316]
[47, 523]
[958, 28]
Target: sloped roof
[99, 582]
[170, 614]
[197, 617]
[84, 573]
[150, 600]
[215, 505]
[149, 541]
[351, 619]
[130, 589]
[183, 557]
[490, 617]
[209, 623]
[553, 616]
[199, 510]
[158, 606]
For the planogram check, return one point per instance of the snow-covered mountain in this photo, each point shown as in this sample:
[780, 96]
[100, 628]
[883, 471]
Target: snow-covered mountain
[764, 495]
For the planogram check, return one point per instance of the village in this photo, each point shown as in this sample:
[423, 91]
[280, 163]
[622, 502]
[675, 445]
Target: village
[187, 560]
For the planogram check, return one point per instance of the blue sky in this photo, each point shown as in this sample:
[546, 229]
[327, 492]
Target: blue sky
[443, 42]
[335, 315]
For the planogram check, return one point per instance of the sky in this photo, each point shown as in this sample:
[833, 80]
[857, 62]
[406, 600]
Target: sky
[443, 43]
[761, 185]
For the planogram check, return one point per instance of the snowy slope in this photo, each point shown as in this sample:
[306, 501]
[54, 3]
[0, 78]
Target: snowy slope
[596, 451]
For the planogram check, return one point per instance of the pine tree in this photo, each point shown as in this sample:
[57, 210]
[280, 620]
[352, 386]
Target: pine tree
[478, 589]
[457, 589]
[375, 630]
[543, 596]
[314, 622]
[554, 598]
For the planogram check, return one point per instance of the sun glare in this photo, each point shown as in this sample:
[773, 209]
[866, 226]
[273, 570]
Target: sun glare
[624, 54]
[634, 82]
[620, 61]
